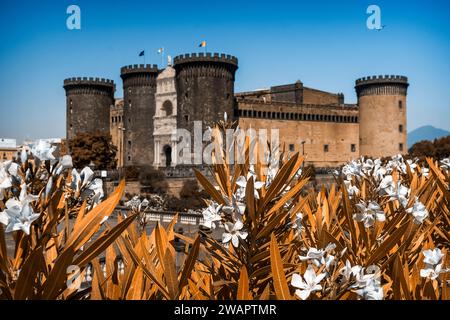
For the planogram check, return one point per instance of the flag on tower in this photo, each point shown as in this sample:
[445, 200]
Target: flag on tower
[142, 53]
[202, 44]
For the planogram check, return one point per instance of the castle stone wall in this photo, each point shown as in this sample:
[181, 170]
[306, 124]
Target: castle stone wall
[139, 86]
[313, 96]
[88, 101]
[382, 102]
[116, 129]
[205, 88]
[330, 134]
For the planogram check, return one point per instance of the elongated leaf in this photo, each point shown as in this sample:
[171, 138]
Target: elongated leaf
[170, 274]
[209, 187]
[29, 275]
[243, 292]
[103, 242]
[278, 276]
[91, 222]
[190, 262]
[387, 245]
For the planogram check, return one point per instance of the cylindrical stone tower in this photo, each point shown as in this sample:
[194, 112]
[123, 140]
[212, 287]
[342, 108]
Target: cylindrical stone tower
[88, 101]
[205, 88]
[382, 115]
[139, 86]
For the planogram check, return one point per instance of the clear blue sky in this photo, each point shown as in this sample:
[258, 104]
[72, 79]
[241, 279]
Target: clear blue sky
[323, 43]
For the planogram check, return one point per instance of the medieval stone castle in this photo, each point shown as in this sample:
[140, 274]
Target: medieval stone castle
[200, 87]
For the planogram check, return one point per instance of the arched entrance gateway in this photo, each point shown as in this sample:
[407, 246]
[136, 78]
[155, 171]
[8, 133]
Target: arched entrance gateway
[168, 155]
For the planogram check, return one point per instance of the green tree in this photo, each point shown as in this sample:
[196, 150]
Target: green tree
[93, 147]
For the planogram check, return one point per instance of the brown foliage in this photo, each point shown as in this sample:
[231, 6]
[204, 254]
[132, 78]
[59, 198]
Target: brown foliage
[439, 148]
[93, 147]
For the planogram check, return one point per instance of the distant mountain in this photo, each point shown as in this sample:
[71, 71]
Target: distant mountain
[425, 133]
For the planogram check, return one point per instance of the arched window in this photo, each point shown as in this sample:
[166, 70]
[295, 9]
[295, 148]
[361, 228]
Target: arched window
[167, 108]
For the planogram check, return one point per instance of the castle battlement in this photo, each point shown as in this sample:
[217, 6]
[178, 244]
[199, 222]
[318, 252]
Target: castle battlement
[205, 57]
[88, 81]
[137, 68]
[382, 79]
[381, 85]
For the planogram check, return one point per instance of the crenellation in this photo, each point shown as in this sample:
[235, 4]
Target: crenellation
[91, 81]
[382, 79]
[203, 57]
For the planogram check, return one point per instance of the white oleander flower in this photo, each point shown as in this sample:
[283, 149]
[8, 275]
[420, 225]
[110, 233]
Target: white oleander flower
[211, 215]
[398, 192]
[18, 214]
[352, 190]
[351, 169]
[233, 233]
[23, 156]
[412, 165]
[308, 284]
[320, 256]
[97, 187]
[348, 271]
[386, 183]
[368, 214]
[13, 170]
[433, 256]
[86, 176]
[367, 166]
[371, 292]
[445, 164]
[368, 285]
[272, 159]
[5, 178]
[418, 211]
[433, 264]
[82, 179]
[242, 183]
[64, 163]
[233, 206]
[76, 180]
[379, 171]
[298, 222]
[43, 150]
[396, 163]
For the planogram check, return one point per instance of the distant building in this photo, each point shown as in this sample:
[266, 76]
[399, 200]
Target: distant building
[8, 149]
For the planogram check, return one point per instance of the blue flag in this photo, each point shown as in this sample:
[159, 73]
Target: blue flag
[142, 53]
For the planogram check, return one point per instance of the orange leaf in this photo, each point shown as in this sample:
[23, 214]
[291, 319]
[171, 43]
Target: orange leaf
[279, 278]
[243, 292]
